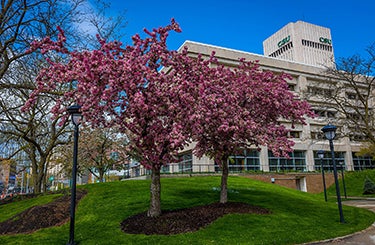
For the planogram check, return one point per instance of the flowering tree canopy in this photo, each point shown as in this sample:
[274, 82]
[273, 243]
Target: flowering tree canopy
[127, 88]
[123, 86]
[243, 107]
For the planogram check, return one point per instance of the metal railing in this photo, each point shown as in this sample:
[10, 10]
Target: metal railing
[175, 169]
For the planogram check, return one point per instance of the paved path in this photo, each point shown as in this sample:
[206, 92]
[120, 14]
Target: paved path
[365, 237]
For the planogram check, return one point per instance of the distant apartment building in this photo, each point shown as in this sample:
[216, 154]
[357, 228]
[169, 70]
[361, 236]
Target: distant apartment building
[304, 51]
[11, 169]
[7, 172]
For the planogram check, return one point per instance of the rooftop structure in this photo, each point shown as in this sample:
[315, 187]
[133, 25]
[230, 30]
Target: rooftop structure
[301, 42]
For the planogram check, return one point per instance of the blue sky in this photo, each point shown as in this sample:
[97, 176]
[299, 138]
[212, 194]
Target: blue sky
[244, 24]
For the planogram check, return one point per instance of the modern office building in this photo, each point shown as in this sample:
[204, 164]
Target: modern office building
[304, 51]
[301, 42]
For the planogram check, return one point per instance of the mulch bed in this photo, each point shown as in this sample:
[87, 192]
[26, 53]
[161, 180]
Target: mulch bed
[185, 220]
[43, 216]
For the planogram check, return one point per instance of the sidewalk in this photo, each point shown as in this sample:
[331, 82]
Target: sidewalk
[365, 237]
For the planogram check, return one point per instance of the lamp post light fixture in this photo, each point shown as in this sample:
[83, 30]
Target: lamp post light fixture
[76, 116]
[330, 133]
[321, 156]
[342, 164]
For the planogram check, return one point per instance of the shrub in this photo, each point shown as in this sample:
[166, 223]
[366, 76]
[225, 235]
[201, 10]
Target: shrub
[368, 187]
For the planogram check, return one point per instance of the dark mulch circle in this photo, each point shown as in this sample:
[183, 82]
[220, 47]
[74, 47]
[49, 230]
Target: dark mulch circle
[185, 220]
[37, 217]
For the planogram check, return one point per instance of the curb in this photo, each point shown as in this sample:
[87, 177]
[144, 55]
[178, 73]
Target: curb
[337, 239]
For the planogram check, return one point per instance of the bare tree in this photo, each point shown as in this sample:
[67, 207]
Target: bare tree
[353, 94]
[21, 21]
[102, 24]
[349, 97]
[36, 132]
[100, 150]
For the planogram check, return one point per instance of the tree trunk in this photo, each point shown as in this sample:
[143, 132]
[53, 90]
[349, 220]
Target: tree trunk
[224, 181]
[43, 174]
[44, 183]
[101, 176]
[155, 206]
[40, 181]
[37, 183]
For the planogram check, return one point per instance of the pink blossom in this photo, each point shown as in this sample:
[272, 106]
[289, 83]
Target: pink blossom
[221, 108]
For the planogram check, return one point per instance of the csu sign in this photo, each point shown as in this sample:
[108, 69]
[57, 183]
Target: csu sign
[325, 40]
[283, 42]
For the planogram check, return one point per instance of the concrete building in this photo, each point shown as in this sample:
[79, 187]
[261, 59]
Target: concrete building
[304, 51]
[301, 42]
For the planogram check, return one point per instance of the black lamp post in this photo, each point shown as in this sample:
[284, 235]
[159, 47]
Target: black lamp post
[321, 156]
[76, 116]
[343, 178]
[330, 133]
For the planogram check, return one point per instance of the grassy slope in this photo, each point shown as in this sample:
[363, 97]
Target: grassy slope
[296, 217]
[14, 208]
[354, 182]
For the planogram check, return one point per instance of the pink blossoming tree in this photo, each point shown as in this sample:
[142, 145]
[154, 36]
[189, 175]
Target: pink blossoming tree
[241, 108]
[163, 99]
[125, 87]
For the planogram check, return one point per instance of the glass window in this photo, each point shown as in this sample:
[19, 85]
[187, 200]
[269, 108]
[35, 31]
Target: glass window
[292, 87]
[244, 161]
[331, 114]
[361, 163]
[319, 113]
[165, 169]
[356, 136]
[186, 162]
[351, 96]
[327, 161]
[296, 162]
[295, 134]
[317, 135]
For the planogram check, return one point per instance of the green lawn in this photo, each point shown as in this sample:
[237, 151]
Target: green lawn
[11, 209]
[296, 217]
[354, 182]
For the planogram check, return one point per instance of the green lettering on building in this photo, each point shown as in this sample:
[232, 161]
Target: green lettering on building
[284, 41]
[325, 40]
